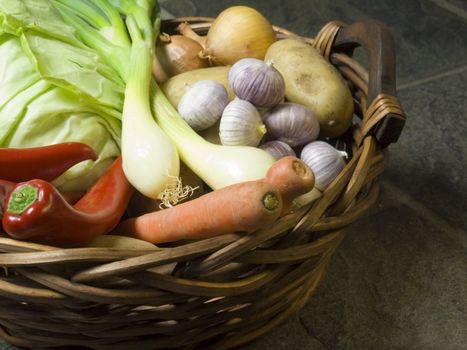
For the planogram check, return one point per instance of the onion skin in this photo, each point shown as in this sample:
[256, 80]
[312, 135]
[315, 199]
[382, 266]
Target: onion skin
[176, 54]
[238, 32]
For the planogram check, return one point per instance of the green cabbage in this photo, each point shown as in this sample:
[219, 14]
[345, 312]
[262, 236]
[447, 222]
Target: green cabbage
[55, 89]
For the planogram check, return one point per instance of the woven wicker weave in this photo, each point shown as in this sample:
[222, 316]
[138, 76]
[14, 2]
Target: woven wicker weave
[224, 291]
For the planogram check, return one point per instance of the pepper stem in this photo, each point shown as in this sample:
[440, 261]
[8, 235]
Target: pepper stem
[21, 199]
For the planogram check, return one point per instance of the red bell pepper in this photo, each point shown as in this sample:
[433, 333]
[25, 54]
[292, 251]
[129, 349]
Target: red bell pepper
[36, 211]
[46, 163]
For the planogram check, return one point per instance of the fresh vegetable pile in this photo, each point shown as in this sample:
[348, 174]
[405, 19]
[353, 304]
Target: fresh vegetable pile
[109, 126]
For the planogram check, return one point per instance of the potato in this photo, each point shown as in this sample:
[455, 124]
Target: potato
[212, 134]
[174, 88]
[312, 81]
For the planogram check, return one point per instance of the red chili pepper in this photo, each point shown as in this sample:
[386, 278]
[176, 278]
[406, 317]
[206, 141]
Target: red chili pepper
[46, 163]
[5, 189]
[36, 211]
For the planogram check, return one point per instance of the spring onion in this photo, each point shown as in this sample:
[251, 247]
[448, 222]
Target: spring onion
[150, 159]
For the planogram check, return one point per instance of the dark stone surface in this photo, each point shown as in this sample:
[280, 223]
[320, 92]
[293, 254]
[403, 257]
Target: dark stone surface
[399, 286]
[399, 279]
[459, 7]
[429, 161]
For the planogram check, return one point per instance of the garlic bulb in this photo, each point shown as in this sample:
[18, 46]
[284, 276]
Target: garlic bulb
[203, 103]
[326, 162]
[278, 149]
[241, 124]
[257, 81]
[292, 123]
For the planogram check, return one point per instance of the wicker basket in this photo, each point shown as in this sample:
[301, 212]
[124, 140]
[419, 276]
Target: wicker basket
[224, 291]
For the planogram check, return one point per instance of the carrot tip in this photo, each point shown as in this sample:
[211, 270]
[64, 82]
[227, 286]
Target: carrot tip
[299, 168]
[271, 201]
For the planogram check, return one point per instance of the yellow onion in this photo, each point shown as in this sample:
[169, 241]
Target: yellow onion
[176, 54]
[237, 32]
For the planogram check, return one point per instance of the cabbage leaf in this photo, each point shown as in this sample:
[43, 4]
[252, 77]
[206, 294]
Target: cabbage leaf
[54, 89]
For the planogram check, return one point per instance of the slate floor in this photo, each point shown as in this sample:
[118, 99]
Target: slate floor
[399, 280]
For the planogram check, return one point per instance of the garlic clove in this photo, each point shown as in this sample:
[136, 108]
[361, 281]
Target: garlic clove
[257, 81]
[292, 123]
[278, 149]
[325, 161]
[203, 103]
[241, 124]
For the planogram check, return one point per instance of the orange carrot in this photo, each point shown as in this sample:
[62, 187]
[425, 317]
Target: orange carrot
[242, 207]
[292, 178]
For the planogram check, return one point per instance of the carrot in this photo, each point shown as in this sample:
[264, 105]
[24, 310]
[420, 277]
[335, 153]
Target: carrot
[242, 207]
[292, 178]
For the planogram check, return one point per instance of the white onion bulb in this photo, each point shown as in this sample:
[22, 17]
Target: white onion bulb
[241, 124]
[326, 162]
[203, 103]
[292, 123]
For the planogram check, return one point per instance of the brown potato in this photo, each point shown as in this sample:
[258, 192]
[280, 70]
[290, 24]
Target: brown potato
[312, 81]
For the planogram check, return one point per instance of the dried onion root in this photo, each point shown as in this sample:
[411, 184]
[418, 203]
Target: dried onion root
[174, 193]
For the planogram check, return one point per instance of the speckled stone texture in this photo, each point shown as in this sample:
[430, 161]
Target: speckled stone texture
[399, 279]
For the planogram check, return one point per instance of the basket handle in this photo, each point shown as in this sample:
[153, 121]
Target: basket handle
[377, 41]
